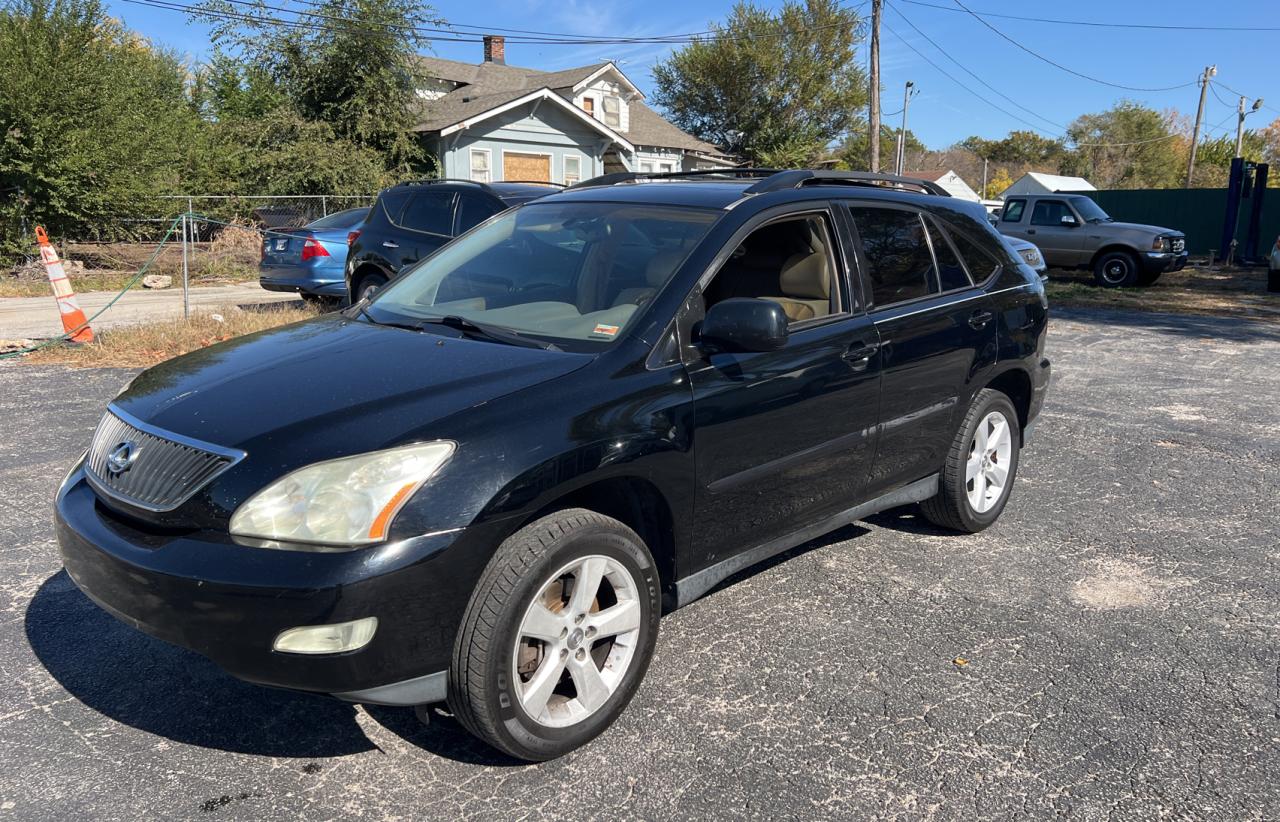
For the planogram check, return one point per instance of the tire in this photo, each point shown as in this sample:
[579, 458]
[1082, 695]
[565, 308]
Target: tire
[953, 506]
[367, 283]
[1116, 269]
[498, 666]
[1146, 278]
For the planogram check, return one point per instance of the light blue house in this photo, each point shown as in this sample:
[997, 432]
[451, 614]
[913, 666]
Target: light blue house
[490, 121]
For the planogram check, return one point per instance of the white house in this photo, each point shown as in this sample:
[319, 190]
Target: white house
[1035, 182]
[951, 182]
[490, 121]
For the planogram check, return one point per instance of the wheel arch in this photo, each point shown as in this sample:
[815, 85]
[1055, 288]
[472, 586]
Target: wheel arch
[1015, 383]
[1107, 249]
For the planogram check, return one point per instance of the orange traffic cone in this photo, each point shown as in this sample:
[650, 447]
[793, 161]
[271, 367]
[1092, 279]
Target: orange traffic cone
[73, 319]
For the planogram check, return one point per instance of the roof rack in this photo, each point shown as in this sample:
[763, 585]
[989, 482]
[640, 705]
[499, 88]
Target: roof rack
[772, 179]
[636, 176]
[801, 177]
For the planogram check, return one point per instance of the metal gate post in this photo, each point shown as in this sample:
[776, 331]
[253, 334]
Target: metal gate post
[1232, 213]
[186, 299]
[1255, 211]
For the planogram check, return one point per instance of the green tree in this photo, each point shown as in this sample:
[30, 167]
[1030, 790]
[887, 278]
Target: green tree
[1128, 146]
[94, 121]
[355, 68]
[1019, 148]
[854, 150]
[771, 85]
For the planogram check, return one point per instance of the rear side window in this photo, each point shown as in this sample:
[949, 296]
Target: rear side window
[474, 209]
[951, 273]
[899, 264]
[429, 211]
[981, 263]
[1013, 211]
[393, 203]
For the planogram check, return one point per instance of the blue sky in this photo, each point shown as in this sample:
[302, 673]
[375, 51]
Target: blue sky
[943, 112]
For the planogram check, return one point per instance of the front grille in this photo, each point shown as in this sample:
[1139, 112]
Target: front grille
[1178, 244]
[166, 469]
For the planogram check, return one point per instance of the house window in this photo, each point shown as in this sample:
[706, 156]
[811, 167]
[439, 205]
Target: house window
[589, 105]
[646, 167]
[480, 165]
[613, 112]
[572, 169]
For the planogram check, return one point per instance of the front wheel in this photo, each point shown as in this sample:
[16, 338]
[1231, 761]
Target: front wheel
[557, 636]
[981, 466]
[1116, 269]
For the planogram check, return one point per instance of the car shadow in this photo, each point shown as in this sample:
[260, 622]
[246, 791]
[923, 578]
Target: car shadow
[842, 534]
[174, 693]
[1231, 329]
[908, 520]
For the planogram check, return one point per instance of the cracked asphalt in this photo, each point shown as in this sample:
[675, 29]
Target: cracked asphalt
[1107, 650]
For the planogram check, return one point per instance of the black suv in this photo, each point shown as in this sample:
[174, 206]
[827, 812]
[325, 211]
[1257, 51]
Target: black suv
[586, 412]
[411, 220]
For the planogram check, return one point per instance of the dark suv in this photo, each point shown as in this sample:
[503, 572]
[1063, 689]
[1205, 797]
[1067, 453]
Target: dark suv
[411, 220]
[586, 412]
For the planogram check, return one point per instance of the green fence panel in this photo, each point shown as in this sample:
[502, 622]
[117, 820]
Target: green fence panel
[1196, 212]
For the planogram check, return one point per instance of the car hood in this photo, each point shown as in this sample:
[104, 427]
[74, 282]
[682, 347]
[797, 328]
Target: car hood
[1138, 227]
[331, 384]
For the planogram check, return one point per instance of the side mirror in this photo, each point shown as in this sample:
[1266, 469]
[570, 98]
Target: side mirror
[743, 324]
[1070, 221]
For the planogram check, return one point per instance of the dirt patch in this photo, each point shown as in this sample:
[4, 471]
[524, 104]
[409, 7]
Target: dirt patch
[1114, 584]
[1216, 292]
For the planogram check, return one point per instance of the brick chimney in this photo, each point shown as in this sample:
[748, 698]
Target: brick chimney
[495, 49]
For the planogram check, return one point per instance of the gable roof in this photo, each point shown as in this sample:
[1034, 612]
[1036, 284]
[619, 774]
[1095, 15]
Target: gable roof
[931, 176]
[1058, 182]
[491, 105]
[487, 87]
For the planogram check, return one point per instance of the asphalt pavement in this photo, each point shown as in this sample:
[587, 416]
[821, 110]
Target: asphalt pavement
[37, 317]
[1107, 650]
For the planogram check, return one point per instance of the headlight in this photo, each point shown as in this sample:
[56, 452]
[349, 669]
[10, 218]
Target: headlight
[1031, 256]
[349, 501]
[1161, 244]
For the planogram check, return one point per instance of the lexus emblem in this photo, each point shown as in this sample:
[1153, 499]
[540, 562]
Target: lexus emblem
[121, 457]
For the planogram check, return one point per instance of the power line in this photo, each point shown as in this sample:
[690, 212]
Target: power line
[1156, 26]
[1242, 94]
[972, 74]
[1061, 67]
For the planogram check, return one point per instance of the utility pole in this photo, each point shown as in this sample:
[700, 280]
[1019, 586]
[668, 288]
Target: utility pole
[901, 161]
[873, 119]
[983, 195]
[1209, 71]
[1257, 104]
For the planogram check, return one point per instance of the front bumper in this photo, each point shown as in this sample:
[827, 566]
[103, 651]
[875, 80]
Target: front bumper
[1158, 262]
[229, 602]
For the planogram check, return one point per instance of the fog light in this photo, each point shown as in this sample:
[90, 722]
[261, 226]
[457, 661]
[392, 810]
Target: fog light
[327, 639]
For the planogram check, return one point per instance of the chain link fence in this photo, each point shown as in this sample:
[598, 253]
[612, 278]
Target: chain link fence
[252, 211]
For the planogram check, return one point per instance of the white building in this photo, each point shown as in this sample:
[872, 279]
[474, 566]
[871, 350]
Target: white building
[1035, 182]
[951, 182]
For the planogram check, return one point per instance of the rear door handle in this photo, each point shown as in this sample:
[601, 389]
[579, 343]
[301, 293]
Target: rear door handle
[979, 319]
[860, 353]
[389, 244]
[1031, 231]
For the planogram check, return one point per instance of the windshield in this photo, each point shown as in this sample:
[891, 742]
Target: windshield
[340, 219]
[1090, 211]
[574, 272]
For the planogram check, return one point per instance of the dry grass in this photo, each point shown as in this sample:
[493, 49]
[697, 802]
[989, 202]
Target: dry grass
[230, 257]
[144, 345]
[1240, 293]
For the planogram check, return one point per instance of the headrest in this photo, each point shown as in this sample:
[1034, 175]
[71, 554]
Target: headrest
[661, 266]
[806, 276]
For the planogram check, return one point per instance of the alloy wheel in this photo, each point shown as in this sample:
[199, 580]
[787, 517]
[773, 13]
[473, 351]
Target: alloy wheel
[1115, 271]
[986, 471]
[576, 641]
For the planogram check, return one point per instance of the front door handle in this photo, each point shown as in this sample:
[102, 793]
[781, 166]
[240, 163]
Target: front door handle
[859, 354]
[389, 244]
[1031, 231]
[979, 319]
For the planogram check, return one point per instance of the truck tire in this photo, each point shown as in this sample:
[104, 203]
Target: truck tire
[1116, 269]
[557, 635]
[981, 466]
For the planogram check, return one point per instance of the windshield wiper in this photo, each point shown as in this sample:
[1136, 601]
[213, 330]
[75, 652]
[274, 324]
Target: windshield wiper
[486, 331]
[361, 310]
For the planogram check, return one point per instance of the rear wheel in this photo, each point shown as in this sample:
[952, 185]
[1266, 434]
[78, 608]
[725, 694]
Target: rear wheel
[367, 284]
[557, 636]
[1116, 269]
[981, 466]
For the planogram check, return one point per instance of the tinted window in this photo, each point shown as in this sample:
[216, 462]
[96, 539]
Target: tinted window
[950, 272]
[393, 203]
[474, 209]
[980, 263]
[1013, 211]
[340, 219]
[898, 260]
[788, 262]
[1050, 212]
[430, 211]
